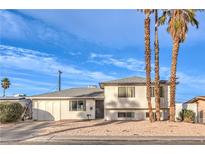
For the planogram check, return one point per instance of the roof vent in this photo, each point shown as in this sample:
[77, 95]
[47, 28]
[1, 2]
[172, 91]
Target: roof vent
[92, 86]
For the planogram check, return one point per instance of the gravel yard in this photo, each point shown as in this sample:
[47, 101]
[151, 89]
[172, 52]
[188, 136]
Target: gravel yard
[125, 128]
[104, 128]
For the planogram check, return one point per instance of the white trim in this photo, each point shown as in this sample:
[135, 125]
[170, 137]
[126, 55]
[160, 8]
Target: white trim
[44, 98]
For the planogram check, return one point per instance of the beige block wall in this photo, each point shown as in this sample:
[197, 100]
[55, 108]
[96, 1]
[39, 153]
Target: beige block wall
[139, 101]
[59, 110]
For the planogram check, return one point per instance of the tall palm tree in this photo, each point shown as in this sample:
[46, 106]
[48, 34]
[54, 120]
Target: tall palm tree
[157, 77]
[177, 27]
[5, 83]
[148, 61]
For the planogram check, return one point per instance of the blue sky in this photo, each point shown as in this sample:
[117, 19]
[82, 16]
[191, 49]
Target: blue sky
[90, 46]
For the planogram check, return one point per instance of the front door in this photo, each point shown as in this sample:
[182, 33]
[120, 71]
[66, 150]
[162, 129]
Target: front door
[99, 109]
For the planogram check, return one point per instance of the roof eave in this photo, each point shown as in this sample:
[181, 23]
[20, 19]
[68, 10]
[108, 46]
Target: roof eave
[35, 98]
[102, 84]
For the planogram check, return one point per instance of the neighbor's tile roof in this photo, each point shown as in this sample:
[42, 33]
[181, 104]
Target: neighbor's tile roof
[128, 80]
[75, 92]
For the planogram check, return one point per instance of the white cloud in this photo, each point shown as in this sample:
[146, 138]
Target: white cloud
[129, 63]
[18, 58]
[191, 81]
[14, 26]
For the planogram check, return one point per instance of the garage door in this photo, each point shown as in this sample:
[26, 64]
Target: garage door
[48, 110]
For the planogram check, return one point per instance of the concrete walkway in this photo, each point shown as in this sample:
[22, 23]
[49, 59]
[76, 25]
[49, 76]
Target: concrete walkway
[109, 140]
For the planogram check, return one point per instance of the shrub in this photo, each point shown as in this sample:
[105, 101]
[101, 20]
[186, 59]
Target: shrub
[187, 115]
[10, 112]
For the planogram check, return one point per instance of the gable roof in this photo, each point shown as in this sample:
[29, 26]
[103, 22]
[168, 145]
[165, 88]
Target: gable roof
[128, 81]
[195, 99]
[73, 93]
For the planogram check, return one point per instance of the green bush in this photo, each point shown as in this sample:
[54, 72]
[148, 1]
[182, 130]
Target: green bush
[10, 112]
[187, 115]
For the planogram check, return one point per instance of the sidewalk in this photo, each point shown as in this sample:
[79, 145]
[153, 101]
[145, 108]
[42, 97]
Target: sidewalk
[112, 140]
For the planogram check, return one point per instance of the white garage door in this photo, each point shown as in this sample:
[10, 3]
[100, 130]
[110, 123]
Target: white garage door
[48, 110]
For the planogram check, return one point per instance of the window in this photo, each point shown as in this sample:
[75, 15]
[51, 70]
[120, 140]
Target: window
[125, 114]
[161, 92]
[152, 92]
[154, 115]
[122, 92]
[147, 114]
[126, 92]
[77, 105]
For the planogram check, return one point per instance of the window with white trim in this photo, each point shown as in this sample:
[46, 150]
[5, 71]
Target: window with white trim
[125, 114]
[161, 92]
[77, 105]
[126, 92]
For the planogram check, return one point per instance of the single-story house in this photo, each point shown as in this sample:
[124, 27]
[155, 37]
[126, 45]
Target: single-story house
[120, 99]
[74, 103]
[197, 104]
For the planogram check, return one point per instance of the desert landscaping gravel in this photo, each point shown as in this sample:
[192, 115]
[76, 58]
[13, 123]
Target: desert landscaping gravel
[123, 128]
[111, 128]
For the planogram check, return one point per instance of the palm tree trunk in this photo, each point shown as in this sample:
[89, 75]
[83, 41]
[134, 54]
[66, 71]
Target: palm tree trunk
[157, 84]
[148, 65]
[175, 51]
[4, 92]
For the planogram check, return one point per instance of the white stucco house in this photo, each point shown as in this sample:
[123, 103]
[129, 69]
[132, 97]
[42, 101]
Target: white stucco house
[126, 99]
[123, 99]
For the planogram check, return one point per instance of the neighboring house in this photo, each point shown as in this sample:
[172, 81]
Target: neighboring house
[74, 103]
[22, 100]
[126, 99]
[115, 100]
[197, 104]
[11, 99]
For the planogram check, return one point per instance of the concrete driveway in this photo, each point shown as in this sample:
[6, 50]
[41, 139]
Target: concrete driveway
[21, 131]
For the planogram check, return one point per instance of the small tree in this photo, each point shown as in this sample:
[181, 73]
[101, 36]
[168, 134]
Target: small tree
[187, 115]
[10, 112]
[5, 83]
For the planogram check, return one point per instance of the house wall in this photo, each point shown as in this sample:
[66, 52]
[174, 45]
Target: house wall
[113, 103]
[178, 109]
[201, 111]
[59, 110]
[66, 114]
[138, 114]
[139, 101]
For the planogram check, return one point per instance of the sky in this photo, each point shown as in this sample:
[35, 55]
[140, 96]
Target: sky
[91, 46]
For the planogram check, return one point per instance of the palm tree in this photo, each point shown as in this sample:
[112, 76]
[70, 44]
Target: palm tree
[177, 27]
[157, 77]
[5, 83]
[148, 61]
